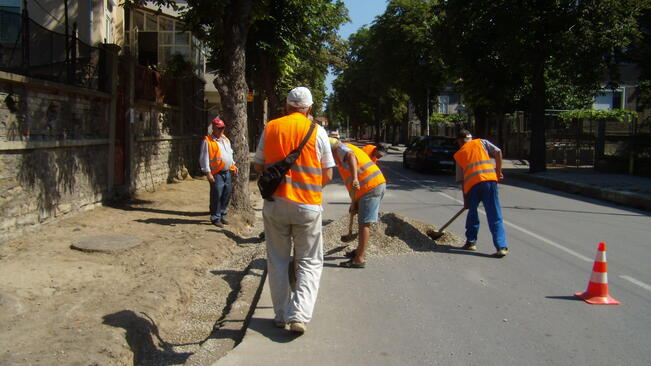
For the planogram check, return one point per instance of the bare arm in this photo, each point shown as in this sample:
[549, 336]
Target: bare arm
[327, 176]
[498, 165]
[352, 165]
[351, 160]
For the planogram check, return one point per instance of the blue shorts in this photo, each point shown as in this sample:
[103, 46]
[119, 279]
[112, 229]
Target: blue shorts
[369, 204]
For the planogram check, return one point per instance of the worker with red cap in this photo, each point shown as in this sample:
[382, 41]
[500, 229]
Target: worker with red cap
[217, 163]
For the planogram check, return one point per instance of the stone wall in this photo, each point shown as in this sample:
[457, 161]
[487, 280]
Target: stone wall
[165, 148]
[53, 149]
[56, 149]
[162, 160]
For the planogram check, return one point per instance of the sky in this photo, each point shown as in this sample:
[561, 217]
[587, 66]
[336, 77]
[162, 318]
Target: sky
[361, 12]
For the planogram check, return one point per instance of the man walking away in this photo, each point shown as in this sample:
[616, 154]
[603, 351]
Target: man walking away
[478, 177]
[295, 212]
[366, 186]
[217, 163]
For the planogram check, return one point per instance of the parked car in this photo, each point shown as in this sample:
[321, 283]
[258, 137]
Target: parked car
[429, 153]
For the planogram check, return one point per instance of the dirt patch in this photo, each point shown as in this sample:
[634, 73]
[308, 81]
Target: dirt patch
[159, 302]
[154, 304]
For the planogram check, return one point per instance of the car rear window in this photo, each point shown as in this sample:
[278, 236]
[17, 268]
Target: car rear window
[443, 142]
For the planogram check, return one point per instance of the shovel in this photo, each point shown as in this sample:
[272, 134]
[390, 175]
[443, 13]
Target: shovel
[350, 236]
[437, 234]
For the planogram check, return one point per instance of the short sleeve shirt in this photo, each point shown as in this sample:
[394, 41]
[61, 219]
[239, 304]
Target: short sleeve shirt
[490, 149]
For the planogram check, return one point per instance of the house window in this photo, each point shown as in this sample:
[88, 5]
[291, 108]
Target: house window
[618, 99]
[609, 99]
[444, 103]
[159, 38]
[109, 28]
[9, 23]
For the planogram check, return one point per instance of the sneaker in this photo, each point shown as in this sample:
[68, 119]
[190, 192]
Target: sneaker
[218, 224]
[225, 222]
[297, 327]
[502, 252]
[280, 324]
[472, 246]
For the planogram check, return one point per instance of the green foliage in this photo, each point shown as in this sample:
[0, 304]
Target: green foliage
[507, 54]
[620, 115]
[292, 43]
[446, 119]
[497, 48]
[178, 67]
[389, 63]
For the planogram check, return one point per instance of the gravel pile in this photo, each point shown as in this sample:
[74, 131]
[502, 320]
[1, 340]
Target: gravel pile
[393, 234]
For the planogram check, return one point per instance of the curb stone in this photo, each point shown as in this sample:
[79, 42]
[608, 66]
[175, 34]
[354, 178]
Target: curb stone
[229, 331]
[623, 198]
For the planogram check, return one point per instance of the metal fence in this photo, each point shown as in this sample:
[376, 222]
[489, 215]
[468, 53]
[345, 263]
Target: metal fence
[27, 48]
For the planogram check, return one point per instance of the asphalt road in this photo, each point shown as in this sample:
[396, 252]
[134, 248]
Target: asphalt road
[460, 308]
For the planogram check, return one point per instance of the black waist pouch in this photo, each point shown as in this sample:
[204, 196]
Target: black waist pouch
[274, 174]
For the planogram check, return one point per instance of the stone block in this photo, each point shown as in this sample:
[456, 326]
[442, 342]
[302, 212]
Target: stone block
[8, 223]
[63, 209]
[29, 219]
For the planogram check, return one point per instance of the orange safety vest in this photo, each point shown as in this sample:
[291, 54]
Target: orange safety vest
[369, 174]
[214, 156]
[477, 166]
[368, 149]
[303, 182]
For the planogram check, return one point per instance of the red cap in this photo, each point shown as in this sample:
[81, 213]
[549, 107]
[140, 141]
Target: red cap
[217, 122]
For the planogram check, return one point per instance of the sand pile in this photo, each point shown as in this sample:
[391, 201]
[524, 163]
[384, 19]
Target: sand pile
[393, 234]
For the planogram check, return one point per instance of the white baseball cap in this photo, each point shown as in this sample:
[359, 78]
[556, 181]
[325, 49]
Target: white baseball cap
[300, 97]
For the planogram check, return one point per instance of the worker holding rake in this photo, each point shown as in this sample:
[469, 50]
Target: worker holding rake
[366, 186]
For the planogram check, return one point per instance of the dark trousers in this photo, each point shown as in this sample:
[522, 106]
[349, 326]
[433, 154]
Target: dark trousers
[486, 193]
[220, 195]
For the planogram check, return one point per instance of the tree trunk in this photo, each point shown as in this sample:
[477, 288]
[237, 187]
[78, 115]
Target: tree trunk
[538, 146]
[276, 107]
[481, 121]
[232, 88]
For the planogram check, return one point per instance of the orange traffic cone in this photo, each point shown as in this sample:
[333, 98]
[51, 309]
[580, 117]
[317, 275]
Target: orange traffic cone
[597, 291]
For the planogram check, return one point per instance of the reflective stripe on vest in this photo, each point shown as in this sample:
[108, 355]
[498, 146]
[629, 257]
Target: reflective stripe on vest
[477, 166]
[214, 156]
[368, 173]
[303, 181]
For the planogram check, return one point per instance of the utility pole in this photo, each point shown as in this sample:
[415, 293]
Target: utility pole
[347, 127]
[427, 119]
[67, 42]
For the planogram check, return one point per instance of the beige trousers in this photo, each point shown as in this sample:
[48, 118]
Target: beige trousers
[285, 222]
